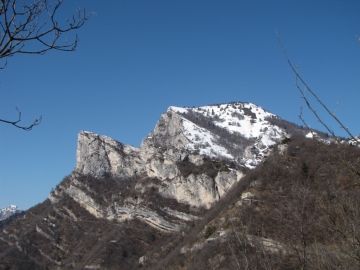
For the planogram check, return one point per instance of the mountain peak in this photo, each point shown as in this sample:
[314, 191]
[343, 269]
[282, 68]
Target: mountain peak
[9, 211]
[228, 129]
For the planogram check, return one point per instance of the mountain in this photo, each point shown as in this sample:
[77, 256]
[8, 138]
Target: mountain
[9, 211]
[125, 207]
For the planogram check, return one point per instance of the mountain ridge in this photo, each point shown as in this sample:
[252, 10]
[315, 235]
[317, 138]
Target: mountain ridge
[188, 163]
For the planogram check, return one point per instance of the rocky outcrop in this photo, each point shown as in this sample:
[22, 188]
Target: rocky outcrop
[181, 139]
[121, 207]
[200, 190]
[101, 156]
[169, 132]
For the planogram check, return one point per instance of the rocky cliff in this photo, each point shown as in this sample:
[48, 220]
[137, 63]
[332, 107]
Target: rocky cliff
[193, 156]
[199, 138]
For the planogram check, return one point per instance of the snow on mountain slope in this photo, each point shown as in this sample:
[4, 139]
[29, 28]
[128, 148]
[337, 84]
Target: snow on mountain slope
[9, 211]
[197, 134]
[213, 131]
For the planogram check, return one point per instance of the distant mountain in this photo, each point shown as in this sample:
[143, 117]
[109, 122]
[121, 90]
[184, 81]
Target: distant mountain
[122, 204]
[9, 211]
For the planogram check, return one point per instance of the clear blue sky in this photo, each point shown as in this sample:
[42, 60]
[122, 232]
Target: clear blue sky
[137, 58]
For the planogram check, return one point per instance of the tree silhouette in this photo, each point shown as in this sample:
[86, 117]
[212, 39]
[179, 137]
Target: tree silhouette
[32, 28]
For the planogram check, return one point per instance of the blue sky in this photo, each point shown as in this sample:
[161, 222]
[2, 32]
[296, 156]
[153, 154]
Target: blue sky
[137, 58]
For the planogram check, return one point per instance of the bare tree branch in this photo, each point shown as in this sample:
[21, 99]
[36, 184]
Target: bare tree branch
[346, 162]
[32, 28]
[343, 160]
[27, 128]
[24, 24]
[299, 78]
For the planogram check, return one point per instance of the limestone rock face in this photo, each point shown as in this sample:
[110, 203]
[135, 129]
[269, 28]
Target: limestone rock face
[101, 156]
[118, 207]
[182, 156]
[168, 132]
[200, 190]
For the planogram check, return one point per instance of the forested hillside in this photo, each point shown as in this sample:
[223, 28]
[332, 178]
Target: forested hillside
[297, 210]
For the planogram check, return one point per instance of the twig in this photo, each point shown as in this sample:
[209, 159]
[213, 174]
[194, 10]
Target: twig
[308, 104]
[298, 77]
[27, 128]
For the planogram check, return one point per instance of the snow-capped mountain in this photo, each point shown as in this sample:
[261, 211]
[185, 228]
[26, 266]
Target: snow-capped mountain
[238, 131]
[9, 211]
[185, 151]
[122, 203]
[187, 164]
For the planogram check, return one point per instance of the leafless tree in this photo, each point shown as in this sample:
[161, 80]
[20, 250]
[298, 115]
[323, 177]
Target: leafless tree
[342, 218]
[299, 83]
[31, 27]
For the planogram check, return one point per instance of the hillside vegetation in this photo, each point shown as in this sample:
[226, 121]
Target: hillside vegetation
[297, 210]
